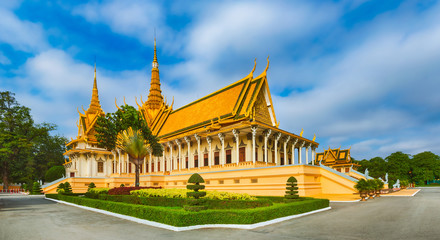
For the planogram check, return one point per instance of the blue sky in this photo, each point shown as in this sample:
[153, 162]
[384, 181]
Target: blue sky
[359, 74]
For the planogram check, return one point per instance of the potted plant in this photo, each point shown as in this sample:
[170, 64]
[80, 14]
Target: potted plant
[379, 186]
[362, 187]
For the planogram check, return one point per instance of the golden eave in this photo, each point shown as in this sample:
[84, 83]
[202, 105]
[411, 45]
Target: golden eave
[72, 151]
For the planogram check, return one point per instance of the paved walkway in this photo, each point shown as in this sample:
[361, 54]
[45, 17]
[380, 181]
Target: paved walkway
[32, 217]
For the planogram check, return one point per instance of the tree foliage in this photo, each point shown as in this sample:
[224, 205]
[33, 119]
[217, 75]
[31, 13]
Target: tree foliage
[54, 173]
[418, 168]
[27, 149]
[111, 124]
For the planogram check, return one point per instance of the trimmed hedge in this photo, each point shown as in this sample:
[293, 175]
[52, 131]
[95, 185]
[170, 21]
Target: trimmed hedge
[126, 190]
[181, 218]
[180, 202]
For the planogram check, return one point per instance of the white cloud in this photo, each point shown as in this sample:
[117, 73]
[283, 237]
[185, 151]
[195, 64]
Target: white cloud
[22, 35]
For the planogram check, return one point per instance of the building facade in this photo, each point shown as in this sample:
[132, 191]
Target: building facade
[231, 137]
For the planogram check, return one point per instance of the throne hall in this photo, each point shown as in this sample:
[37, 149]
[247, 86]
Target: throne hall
[231, 137]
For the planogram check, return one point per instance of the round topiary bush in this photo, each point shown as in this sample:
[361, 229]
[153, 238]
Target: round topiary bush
[60, 188]
[291, 189]
[67, 188]
[91, 185]
[195, 204]
[55, 173]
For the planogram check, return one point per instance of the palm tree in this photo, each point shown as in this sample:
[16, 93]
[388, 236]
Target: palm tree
[134, 144]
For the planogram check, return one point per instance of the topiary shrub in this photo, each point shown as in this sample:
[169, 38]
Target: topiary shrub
[36, 188]
[91, 185]
[122, 185]
[195, 204]
[60, 188]
[54, 173]
[291, 190]
[67, 188]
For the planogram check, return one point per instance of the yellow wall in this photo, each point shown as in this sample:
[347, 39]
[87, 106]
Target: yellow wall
[262, 181]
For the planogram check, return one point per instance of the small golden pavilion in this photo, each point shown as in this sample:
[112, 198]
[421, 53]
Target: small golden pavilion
[337, 159]
[231, 137]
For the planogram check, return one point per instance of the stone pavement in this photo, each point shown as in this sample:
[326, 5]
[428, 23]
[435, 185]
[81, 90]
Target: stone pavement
[32, 217]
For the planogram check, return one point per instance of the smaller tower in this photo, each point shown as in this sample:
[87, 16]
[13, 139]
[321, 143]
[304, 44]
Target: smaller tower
[155, 98]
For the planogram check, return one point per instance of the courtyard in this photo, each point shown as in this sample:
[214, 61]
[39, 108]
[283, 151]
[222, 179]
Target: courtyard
[33, 217]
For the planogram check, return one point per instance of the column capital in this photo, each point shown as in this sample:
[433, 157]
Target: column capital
[267, 132]
[294, 142]
[177, 141]
[170, 144]
[254, 130]
[187, 139]
[197, 137]
[209, 140]
[286, 139]
[277, 136]
[235, 132]
[221, 136]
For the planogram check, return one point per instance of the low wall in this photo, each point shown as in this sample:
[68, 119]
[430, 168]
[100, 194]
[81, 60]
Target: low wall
[259, 181]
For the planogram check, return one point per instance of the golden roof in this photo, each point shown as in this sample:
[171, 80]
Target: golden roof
[235, 102]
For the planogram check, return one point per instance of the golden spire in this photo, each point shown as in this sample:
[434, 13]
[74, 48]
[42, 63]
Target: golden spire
[155, 98]
[95, 106]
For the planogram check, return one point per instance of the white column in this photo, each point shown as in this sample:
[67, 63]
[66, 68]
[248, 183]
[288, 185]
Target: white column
[307, 154]
[237, 144]
[221, 136]
[254, 132]
[188, 142]
[170, 165]
[150, 160]
[313, 155]
[90, 166]
[118, 164]
[266, 136]
[126, 163]
[300, 160]
[285, 150]
[277, 138]
[163, 162]
[105, 166]
[198, 149]
[293, 150]
[156, 168]
[180, 153]
[209, 140]
[79, 166]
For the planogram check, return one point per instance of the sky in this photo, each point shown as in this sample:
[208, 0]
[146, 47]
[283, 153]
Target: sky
[359, 74]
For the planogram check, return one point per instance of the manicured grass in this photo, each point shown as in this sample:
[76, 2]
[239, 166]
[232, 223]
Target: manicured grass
[180, 218]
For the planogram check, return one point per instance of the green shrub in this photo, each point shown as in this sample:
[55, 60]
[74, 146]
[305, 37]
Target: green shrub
[180, 218]
[60, 187]
[67, 188]
[122, 185]
[54, 173]
[182, 193]
[91, 185]
[51, 195]
[362, 185]
[197, 204]
[291, 189]
[36, 188]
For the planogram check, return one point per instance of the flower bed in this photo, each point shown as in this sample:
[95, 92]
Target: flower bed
[181, 193]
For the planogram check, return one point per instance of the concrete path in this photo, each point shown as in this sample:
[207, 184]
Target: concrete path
[32, 217]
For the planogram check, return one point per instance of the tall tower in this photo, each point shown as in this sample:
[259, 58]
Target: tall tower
[95, 106]
[155, 98]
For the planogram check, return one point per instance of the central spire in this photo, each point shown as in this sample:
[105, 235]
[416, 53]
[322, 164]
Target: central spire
[95, 106]
[155, 98]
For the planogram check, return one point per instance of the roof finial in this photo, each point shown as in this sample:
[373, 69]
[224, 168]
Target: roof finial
[95, 106]
[155, 55]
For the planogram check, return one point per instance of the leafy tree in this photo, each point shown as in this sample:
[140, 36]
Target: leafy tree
[54, 173]
[112, 125]
[18, 135]
[377, 167]
[398, 166]
[425, 166]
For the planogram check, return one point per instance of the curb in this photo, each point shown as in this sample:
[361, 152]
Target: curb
[178, 229]
[402, 195]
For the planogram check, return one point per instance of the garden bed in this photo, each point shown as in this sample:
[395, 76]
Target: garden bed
[176, 216]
